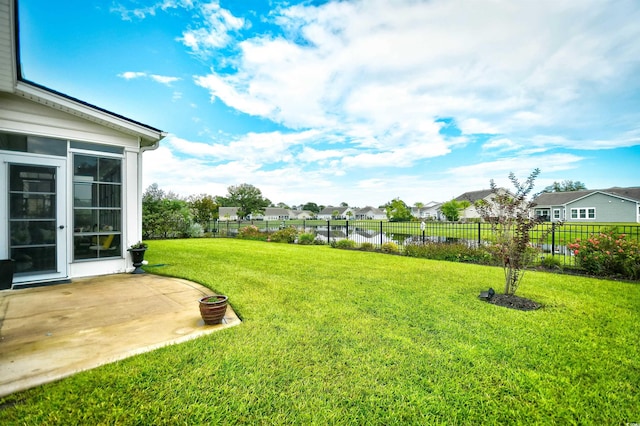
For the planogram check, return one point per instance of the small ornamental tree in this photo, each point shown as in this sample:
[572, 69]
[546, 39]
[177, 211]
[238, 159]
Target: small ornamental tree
[452, 209]
[511, 223]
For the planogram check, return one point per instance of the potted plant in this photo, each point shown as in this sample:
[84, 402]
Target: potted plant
[213, 308]
[137, 256]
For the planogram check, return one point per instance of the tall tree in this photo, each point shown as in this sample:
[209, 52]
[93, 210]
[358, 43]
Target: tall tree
[398, 211]
[164, 214]
[312, 207]
[247, 198]
[204, 209]
[565, 186]
[419, 205]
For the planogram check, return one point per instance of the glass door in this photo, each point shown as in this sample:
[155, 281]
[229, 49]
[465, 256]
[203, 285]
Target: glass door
[36, 217]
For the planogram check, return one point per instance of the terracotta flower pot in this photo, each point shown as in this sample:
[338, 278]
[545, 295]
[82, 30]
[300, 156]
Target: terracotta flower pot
[213, 308]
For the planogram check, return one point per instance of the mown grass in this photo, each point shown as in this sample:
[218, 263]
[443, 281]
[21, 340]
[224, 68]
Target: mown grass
[345, 337]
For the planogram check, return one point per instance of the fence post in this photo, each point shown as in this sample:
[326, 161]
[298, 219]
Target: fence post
[553, 239]
[479, 233]
[381, 233]
[329, 231]
[347, 228]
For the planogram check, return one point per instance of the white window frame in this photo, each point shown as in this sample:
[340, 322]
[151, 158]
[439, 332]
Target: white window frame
[583, 213]
[556, 214]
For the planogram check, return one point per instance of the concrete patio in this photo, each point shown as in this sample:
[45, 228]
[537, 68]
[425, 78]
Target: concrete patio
[47, 333]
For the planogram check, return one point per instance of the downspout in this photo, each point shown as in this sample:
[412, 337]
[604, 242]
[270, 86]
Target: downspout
[143, 149]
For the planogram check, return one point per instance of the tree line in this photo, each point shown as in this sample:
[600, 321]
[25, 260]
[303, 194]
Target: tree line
[167, 214]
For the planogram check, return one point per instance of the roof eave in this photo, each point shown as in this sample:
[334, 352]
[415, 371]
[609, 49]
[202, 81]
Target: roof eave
[149, 136]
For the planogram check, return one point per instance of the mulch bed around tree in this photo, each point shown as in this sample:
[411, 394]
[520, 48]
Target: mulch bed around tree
[514, 302]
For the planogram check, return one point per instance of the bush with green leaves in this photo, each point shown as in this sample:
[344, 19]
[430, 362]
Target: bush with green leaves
[366, 246]
[284, 235]
[608, 254]
[251, 232]
[551, 262]
[454, 252]
[306, 238]
[389, 247]
[343, 244]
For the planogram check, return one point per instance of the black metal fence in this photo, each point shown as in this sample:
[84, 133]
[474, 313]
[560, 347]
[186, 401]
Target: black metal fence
[550, 238]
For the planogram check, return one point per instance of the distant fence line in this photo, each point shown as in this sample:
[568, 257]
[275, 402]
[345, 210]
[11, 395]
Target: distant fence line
[549, 237]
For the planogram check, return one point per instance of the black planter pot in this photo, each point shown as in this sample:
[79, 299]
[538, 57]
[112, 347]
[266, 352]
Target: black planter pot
[6, 273]
[137, 256]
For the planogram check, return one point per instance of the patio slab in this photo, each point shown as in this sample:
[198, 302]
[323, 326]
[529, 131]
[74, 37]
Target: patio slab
[48, 333]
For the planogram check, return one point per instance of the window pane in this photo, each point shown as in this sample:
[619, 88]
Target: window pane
[583, 214]
[96, 246]
[592, 213]
[32, 206]
[82, 194]
[32, 179]
[110, 220]
[110, 195]
[85, 166]
[574, 214]
[85, 220]
[34, 259]
[109, 170]
[39, 145]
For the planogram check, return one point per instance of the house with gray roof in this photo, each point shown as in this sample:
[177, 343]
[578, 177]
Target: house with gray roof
[473, 197]
[599, 205]
[228, 213]
[332, 212]
[370, 213]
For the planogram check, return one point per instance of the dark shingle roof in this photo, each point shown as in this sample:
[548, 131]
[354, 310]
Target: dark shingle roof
[474, 196]
[562, 198]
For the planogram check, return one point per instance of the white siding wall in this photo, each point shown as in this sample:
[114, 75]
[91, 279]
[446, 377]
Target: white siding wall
[19, 115]
[7, 60]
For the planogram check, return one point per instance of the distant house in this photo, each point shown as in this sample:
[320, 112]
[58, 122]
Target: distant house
[370, 213]
[272, 213]
[332, 212]
[430, 211]
[228, 213]
[473, 197]
[301, 214]
[599, 205]
[71, 176]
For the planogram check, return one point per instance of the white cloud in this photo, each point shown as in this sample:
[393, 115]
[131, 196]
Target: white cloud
[162, 79]
[128, 14]
[359, 87]
[129, 75]
[497, 68]
[216, 24]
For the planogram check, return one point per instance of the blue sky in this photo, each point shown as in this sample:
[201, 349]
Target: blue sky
[355, 101]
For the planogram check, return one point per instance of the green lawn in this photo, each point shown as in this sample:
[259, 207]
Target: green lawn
[345, 337]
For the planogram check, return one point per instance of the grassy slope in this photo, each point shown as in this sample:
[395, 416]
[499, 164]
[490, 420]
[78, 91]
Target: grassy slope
[333, 336]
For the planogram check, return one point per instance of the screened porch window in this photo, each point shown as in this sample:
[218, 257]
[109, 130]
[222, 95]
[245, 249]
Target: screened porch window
[97, 207]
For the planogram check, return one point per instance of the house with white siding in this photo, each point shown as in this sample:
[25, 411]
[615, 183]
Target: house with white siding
[71, 176]
[331, 212]
[370, 213]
